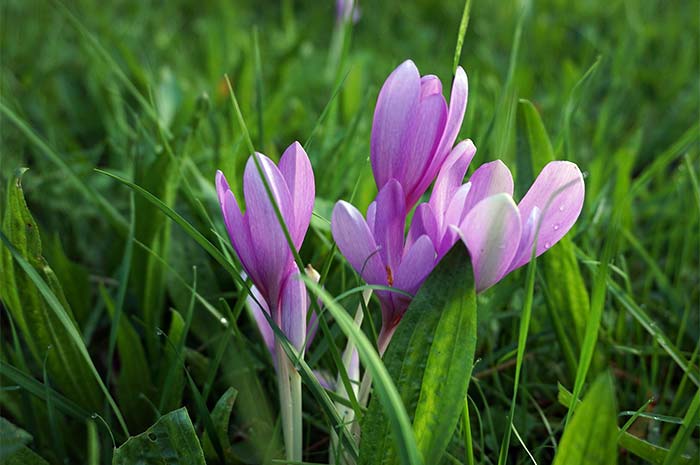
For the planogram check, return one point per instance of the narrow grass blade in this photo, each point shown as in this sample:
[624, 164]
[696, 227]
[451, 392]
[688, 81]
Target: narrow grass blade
[651, 453]
[690, 422]
[460, 36]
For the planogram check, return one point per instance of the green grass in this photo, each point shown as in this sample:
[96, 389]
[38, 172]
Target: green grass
[122, 113]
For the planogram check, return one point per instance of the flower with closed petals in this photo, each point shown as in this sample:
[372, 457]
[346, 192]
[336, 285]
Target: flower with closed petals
[260, 242]
[414, 129]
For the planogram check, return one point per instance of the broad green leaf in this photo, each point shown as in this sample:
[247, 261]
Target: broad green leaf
[25, 456]
[567, 298]
[73, 277]
[591, 436]
[39, 324]
[430, 358]
[12, 439]
[220, 416]
[171, 440]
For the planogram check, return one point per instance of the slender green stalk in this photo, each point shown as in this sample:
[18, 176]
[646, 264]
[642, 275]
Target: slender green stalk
[469, 448]
[289, 385]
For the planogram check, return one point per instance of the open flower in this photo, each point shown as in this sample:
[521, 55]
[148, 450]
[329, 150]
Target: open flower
[259, 240]
[414, 129]
[376, 249]
[499, 234]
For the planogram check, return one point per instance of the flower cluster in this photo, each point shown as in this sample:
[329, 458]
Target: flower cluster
[412, 146]
[412, 141]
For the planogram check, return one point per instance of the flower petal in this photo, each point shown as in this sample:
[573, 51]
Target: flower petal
[416, 265]
[419, 148]
[424, 222]
[221, 185]
[389, 223]
[297, 172]
[356, 243]
[527, 237]
[271, 247]
[257, 309]
[396, 105]
[239, 234]
[455, 116]
[371, 216]
[491, 232]
[558, 193]
[453, 217]
[451, 175]
[294, 303]
[489, 179]
[429, 85]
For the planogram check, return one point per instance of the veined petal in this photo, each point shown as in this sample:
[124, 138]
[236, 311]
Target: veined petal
[424, 223]
[371, 216]
[489, 179]
[527, 237]
[455, 116]
[491, 232]
[296, 170]
[257, 309]
[396, 105]
[294, 304]
[419, 147]
[239, 233]
[451, 175]
[429, 85]
[558, 193]
[271, 247]
[356, 243]
[221, 185]
[389, 223]
[453, 217]
[416, 265]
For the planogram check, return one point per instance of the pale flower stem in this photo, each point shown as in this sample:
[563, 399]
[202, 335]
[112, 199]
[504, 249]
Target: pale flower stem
[347, 414]
[289, 383]
[366, 384]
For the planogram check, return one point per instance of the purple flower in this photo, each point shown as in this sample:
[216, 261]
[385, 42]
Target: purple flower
[498, 233]
[414, 129]
[376, 249]
[259, 240]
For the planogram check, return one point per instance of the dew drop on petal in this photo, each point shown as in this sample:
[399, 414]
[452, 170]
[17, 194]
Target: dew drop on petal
[556, 227]
[561, 208]
[547, 245]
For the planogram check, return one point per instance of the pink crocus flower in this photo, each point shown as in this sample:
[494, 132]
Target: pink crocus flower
[414, 129]
[374, 246]
[498, 233]
[259, 240]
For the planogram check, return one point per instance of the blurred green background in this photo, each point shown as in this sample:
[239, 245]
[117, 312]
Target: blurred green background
[137, 88]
